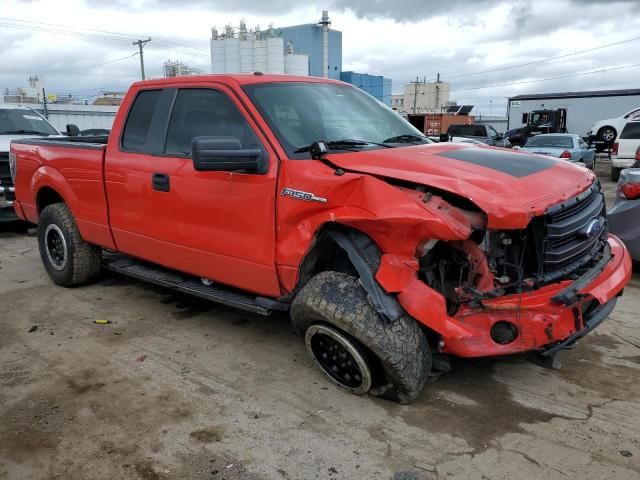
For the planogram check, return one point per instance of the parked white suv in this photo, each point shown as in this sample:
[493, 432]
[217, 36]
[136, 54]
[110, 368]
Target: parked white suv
[609, 129]
[16, 122]
[624, 151]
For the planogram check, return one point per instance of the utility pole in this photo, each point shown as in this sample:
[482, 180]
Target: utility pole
[141, 44]
[437, 105]
[44, 102]
[415, 94]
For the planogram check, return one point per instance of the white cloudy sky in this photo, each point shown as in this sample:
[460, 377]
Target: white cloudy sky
[400, 39]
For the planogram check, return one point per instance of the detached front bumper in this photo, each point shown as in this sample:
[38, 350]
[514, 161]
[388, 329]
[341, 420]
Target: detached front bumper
[546, 320]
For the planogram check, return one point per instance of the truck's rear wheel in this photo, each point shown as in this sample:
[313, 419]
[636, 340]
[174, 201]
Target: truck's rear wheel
[355, 347]
[67, 258]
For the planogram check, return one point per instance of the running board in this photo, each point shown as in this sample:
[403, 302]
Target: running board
[184, 283]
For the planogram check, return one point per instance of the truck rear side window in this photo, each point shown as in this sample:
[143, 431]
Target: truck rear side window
[467, 130]
[631, 131]
[136, 129]
[204, 112]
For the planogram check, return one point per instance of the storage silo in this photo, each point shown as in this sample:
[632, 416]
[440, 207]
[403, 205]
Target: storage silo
[246, 56]
[296, 64]
[217, 52]
[232, 55]
[260, 55]
[275, 55]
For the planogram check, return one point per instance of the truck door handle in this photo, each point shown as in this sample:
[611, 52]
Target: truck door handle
[160, 182]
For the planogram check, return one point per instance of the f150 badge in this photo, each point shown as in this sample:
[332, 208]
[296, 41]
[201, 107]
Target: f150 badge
[300, 195]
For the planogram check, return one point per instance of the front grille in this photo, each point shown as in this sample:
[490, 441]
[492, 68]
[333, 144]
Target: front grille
[574, 229]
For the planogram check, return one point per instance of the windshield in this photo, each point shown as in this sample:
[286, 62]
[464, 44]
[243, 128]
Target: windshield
[18, 121]
[552, 141]
[302, 113]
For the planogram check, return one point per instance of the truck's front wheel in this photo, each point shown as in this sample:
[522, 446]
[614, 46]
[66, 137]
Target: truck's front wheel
[67, 258]
[355, 347]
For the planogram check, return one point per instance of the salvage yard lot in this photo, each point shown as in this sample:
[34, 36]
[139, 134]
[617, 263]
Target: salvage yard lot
[176, 388]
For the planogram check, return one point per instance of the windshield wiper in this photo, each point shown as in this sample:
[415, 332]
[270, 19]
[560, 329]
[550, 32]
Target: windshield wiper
[23, 132]
[407, 138]
[346, 144]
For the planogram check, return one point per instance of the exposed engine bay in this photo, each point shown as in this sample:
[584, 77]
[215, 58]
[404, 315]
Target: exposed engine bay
[560, 245]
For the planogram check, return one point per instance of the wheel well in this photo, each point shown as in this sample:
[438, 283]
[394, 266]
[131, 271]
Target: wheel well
[325, 255]
[47, 196]
[607, 126]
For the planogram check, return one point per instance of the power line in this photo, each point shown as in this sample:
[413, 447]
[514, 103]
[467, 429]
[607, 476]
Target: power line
[92, 33]
[76, 69]
[535, 62]
[546, 79]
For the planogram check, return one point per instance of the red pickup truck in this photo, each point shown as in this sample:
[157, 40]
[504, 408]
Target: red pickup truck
[277, 193]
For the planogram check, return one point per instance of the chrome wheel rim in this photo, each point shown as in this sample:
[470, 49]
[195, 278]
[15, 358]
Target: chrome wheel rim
[608, 135]
[339, 358]
[56, 247]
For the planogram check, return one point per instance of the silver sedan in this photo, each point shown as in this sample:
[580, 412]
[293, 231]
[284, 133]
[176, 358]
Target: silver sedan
[562, 145]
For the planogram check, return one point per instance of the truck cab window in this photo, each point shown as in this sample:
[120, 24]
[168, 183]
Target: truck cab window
[631, 131]
[136, 129]
[204, 112]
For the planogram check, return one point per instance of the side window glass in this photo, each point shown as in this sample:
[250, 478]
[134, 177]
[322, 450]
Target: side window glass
[138, 122]
[631, 131]
[203, 112]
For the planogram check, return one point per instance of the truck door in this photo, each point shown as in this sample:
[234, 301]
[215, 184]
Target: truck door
[218, 225]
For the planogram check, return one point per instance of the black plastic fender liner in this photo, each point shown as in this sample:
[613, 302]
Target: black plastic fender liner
[365, 256]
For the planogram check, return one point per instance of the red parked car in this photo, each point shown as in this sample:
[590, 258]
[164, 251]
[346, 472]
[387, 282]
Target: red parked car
[307, 195]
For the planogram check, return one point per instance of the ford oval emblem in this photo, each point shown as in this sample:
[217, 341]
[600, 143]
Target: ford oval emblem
[592, 229]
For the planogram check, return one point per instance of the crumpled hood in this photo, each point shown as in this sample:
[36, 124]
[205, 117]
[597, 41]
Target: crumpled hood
[510, 186]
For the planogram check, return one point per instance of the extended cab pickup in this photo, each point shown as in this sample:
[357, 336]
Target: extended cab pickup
[307, 195]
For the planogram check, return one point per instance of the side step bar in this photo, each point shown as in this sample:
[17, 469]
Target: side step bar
[184, 283]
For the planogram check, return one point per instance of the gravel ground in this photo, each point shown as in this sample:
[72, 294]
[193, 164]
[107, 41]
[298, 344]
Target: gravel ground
[176, 388]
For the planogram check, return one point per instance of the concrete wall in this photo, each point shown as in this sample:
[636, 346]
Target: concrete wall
[84, 116]
[308, 39]
[581, 112]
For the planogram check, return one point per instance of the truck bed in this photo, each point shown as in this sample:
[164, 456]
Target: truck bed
[73, 167]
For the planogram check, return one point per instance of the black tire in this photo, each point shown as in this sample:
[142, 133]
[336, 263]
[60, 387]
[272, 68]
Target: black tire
[608, 134]
[398, 351]
[67, 258]
[615, 174]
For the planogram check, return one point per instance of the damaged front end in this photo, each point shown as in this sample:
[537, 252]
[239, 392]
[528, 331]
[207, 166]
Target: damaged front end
[509, 291]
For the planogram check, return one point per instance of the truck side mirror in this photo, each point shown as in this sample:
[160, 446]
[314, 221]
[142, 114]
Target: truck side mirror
[224, 154]
[444, 137]
[72, 130]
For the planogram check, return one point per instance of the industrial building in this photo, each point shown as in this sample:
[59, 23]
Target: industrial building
[310, 49]
[583, 108]
[423, 97]
[322, 44]
[375, 85]
[178, 69]
[253, 50]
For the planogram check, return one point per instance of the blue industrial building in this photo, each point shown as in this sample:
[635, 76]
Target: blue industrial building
[308, 39]
[375, 85]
